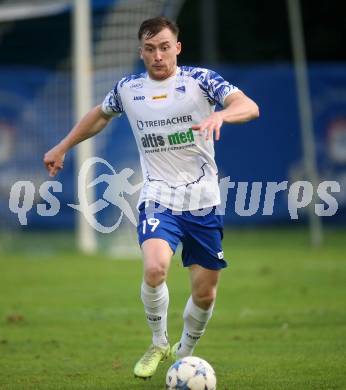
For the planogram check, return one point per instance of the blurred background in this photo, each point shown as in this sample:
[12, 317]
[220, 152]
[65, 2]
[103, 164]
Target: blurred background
[70, 316]
[250, 43]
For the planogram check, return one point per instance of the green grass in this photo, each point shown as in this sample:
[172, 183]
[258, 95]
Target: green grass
[69, 321]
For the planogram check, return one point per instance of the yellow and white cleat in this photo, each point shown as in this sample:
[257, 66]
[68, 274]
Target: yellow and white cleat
[147, 364]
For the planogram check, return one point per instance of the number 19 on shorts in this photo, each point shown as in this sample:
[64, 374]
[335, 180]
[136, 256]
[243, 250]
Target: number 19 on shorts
[151, 224]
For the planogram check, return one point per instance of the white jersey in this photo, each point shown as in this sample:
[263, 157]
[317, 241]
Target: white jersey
[178, 165]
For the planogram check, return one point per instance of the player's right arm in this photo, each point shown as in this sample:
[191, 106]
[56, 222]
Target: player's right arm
[92, 123]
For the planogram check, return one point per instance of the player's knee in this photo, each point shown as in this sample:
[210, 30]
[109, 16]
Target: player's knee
[155, 274]
[204, 298]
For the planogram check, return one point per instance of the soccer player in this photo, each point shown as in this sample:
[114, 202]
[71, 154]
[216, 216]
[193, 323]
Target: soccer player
[171, 112]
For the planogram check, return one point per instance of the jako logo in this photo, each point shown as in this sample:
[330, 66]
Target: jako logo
[138, 97]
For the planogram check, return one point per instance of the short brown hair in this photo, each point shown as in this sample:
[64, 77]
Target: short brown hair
[150, 27]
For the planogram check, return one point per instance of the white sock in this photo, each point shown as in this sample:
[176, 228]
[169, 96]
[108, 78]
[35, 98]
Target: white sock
[155, 300]
[195, 322]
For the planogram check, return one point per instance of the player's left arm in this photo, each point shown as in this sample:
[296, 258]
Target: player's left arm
[238, 108]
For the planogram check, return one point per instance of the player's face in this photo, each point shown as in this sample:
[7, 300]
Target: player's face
[159, 54]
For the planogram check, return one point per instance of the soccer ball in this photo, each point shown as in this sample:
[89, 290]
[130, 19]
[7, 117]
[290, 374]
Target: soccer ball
[191, 373]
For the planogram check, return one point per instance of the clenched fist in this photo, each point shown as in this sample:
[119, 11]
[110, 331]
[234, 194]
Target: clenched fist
[54, 160]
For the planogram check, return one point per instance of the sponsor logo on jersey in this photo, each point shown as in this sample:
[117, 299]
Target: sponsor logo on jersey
[220, 255]
[180, 137]
[164, 96]
[139, 97]
[138, 85]
[165, 122]
[140, 124]
[152, 141]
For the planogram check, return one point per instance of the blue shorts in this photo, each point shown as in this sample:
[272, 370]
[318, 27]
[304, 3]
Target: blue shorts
[200, 236]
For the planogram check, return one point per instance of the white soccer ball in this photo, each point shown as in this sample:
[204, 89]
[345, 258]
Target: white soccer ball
[191, 373]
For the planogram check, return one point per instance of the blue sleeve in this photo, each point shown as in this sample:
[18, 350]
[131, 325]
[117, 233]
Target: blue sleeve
[214, 87]
[112, 104]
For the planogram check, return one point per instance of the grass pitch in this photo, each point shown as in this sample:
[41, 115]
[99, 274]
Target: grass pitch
[69, 321]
